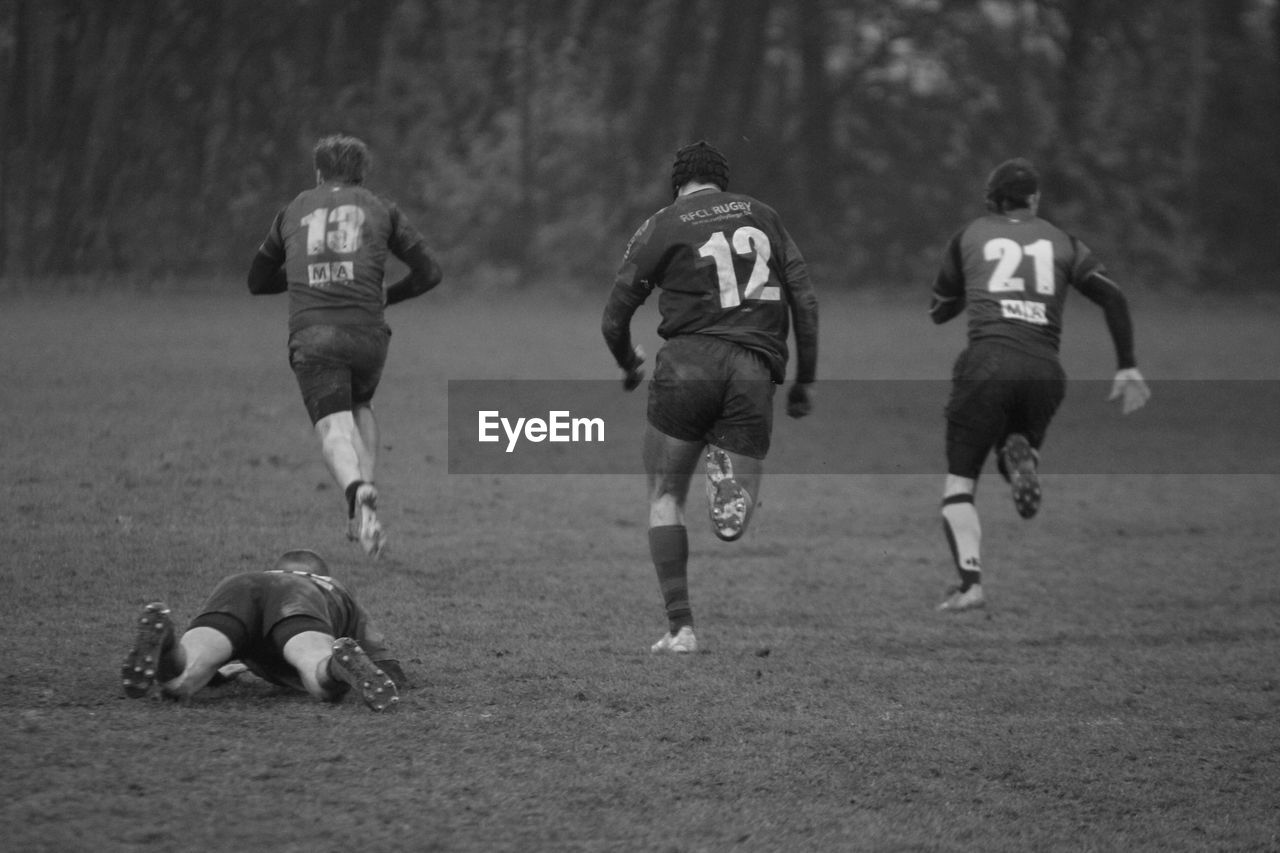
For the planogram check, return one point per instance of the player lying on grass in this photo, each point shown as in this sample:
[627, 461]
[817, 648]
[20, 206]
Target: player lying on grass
[1011, 270]
[731, 281]
[328, 248]
[291, 625]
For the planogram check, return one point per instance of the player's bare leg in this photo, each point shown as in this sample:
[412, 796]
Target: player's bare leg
[345, 453]
[669, 465]
[733, 487]
[367, 431]
[963, 528]
[330, 667]
[200, 653]
[308, 652]
[339, 441]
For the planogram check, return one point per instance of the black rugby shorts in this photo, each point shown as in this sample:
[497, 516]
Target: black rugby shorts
[261, 611]
[337, 367]
[714, 391]
[996, 391]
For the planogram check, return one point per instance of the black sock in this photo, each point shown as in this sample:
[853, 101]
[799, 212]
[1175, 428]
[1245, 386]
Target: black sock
[351, 497]
[337, 685]
[669, 549]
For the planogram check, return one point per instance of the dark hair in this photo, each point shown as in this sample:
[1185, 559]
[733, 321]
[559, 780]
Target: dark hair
[1011, 185]
[342, 158]
[302, 560]
[699, 162]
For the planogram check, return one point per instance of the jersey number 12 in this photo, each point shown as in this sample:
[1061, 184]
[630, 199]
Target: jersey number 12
[746, 240]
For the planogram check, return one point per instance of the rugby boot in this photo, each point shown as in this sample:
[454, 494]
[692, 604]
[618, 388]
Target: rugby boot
[969, 599]
[364, 525]
[154, 639]
[350, 665]
[727, 502]
[681, 642]
[1021, 461]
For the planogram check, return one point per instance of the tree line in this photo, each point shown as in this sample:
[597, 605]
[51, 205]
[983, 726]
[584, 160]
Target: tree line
[528, 138]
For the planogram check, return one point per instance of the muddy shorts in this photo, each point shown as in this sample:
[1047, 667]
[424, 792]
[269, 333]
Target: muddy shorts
[710, 390]
[996, 391]
[337, 367]
[261, 611]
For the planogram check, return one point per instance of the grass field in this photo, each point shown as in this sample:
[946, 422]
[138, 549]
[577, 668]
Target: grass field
[1119, 693]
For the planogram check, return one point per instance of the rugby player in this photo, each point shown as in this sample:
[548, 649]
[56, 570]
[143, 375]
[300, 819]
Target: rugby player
[1011, 270]
[292, 625]
[731, 282]
[328, 248]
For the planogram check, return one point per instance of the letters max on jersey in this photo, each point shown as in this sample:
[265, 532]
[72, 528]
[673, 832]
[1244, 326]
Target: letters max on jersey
[1022, 309]
[319, 275]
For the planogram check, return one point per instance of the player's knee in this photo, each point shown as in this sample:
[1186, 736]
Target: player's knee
[336, 424]
[665, 509]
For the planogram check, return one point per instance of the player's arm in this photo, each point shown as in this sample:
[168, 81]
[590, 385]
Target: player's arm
[266, 274]
[1129, 385]
[407, 245]
[1106, 294]
[627, 295]
[803, 302]
[948, 287]
[424, 274]
[631, 287]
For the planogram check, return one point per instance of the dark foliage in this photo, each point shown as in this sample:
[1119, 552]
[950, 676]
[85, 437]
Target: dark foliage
[158, 139]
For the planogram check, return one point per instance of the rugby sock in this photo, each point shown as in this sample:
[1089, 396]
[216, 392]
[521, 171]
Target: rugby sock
[328, 681]
[964, 536]
[351, 497]
[669, 549]
[169, 666]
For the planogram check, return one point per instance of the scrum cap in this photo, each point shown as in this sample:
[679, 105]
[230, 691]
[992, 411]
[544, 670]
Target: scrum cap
[1011, 184]
[699, 162]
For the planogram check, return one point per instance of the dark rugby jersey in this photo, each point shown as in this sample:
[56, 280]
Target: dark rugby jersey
[345, 615]
[1013, 274]
[726, 267]
[333, 241]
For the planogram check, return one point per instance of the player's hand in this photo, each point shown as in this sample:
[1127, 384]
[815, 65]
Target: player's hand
[799, 400]
[1131, 389]
[228, 673]
[635, 373]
